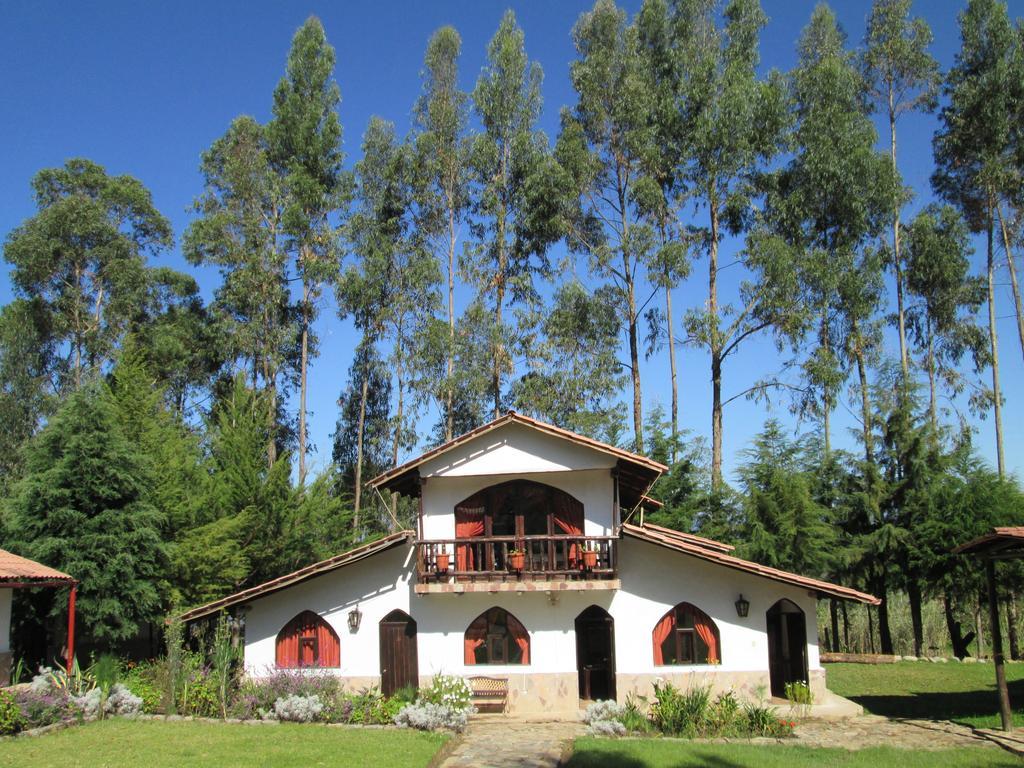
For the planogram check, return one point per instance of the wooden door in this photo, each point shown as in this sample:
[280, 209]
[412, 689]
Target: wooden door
[595, 654]
[787, 646]
[399, 665]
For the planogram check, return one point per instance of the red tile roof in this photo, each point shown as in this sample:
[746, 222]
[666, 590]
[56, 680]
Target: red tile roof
[700, 541]
[295, 577]
[679, 544]
[517, 418]
[15, 569]
[1001, 541]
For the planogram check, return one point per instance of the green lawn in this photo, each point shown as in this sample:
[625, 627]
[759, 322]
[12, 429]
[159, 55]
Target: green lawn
[654, 753]
[155, 744]
[964, 693]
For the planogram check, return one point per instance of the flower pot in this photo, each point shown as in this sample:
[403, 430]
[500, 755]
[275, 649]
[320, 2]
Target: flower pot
[589, 559]
[442, 561]
[516, 561]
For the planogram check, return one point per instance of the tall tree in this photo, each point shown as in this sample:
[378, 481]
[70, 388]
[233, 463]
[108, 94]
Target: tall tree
[902, 77]
[305, 149]
[81, 508]
[601, 147]
[974, 147]
[83, 255]
[506, 156]
[443, 199]
[827, 203]
[241, 229]
[944, 299]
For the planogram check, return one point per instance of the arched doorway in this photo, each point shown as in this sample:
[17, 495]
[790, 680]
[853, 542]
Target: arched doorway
[399, 665]
[595, 654]
[787, 645]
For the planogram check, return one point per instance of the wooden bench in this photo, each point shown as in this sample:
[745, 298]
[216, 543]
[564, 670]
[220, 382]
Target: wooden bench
[490, 694]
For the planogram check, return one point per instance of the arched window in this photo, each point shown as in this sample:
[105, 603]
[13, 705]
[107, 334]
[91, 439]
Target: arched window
[686, 635]
[497, 637]
[308, 641]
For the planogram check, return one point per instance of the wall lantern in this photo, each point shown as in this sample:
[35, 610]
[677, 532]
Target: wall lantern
[354, 617]
[742, 607]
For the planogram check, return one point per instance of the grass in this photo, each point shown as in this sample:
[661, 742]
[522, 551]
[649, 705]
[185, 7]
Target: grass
[655, 753]
[157, 744]
[963, 693]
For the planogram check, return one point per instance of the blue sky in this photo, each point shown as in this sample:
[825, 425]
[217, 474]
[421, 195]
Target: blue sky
[144, 88]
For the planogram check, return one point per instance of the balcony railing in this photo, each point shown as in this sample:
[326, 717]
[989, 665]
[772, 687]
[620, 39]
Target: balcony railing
[510, 558]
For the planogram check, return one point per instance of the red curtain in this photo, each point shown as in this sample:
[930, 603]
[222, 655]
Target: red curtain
[469, 522]
[705, 628]
[520, 636]
[661, 632]
[475, 636]
[568, 518]
[307, 640]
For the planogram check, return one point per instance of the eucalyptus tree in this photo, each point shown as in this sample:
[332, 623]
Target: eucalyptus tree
[944, 299]
[827, 204]
[974, 147]
[441, 119]
[82, 256]
[903, 78]
[304, 143]
[601, 147]
[575, 378]
[506, 156]
[240, 229]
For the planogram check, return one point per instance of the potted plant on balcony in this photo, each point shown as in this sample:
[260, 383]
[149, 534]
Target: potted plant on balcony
[442, 560]
[516, 559]
[589, 556]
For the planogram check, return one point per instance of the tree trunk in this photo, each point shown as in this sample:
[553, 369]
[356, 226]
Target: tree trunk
[672, 370]
[449, 420]
[399, 412]
[997, 396]
[1013, 277]
[884, 634]
[358, 490]
[871, 627]
[826, 396]
[716, 353]
[303, 377]
[634, 362]
[846, 628]
[833, 610]
[865, 402]
[959, 642]
[1011, 624]
[914, 598]
[897, 258]
[933, 410]
[979, 628]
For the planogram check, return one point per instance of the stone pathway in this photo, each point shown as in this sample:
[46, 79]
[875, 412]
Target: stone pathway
[876, 731]
[505, 742]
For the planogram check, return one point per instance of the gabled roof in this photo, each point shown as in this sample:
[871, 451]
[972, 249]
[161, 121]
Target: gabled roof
[640, 471]
[690, 538]
[303, 574]
[679, 544]
[18, 570]
[1002, 542]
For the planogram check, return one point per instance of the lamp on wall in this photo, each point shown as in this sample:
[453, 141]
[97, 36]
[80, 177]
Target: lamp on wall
[354, 617]
[742, 607]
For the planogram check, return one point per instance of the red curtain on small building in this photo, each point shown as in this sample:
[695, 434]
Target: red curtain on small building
[705, 629]
[469, 522]
[307, 641]
[661, 632]
[476, 635]
[567, 517]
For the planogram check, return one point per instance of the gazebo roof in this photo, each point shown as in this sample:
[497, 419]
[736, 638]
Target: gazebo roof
[1001, 543]
[17, 571]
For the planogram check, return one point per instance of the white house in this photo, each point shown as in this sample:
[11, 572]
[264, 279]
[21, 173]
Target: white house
[531, 562]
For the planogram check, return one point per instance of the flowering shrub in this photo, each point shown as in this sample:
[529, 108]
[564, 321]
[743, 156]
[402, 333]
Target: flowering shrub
[428, 716]
[298, 709]
[51, 706]
[605, 718]
[11, 718]
[450, 690]
[120, 701]
[260, 695]
[693, 713]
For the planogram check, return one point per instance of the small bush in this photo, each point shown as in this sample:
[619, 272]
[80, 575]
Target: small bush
[11, 718]
[681, 713]
[605, 718]
[694, 714]
[633, 717]
[407, 694]
[450, 690]
[427, 716]
[120, 702]
[41, 709]
[298, 709]
[148, 681]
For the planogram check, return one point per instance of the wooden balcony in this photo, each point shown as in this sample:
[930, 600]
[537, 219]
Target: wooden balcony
[516, 564]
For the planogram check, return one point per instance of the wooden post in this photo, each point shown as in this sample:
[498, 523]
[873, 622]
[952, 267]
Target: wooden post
[997, 647]
[71, 627]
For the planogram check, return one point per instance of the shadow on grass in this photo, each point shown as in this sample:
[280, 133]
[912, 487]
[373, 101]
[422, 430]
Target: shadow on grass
[961, 706]
[620, 759]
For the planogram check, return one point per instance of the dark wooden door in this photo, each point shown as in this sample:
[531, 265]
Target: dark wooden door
[399, 665]
[595, 654]
[787, 646]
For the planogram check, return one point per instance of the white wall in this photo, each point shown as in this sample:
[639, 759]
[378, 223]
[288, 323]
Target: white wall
[5, 619]
[653, 580]
[592, 488]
